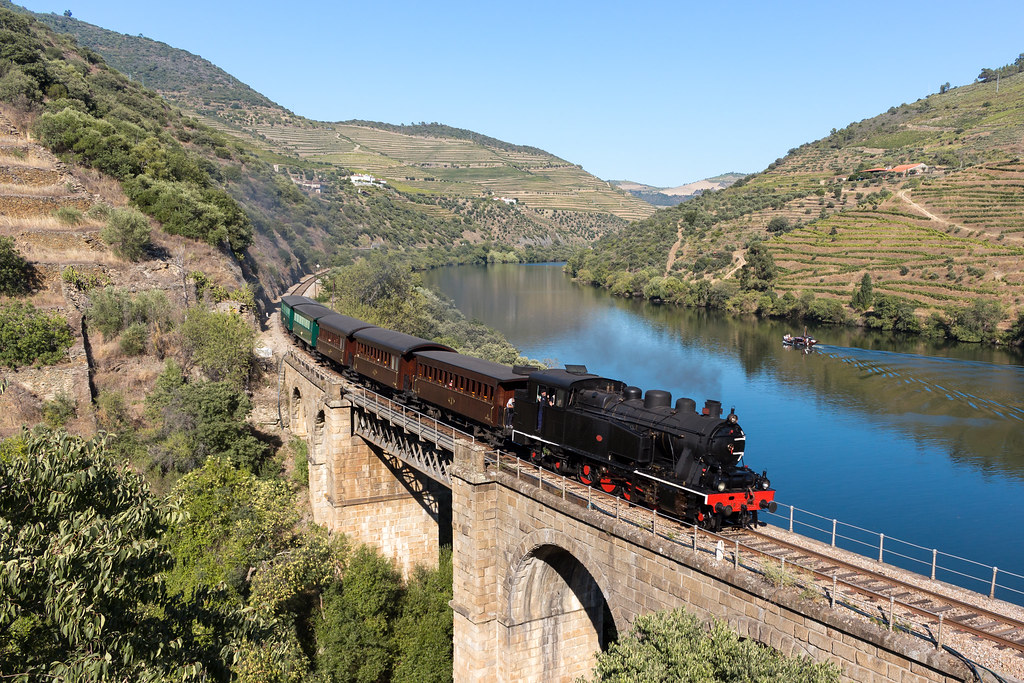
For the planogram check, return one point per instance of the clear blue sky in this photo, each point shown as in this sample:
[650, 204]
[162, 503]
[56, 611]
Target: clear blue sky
[658, 92]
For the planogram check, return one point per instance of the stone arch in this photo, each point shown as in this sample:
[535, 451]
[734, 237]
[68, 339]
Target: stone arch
[555, 608]
[296, 412]
[319, 431]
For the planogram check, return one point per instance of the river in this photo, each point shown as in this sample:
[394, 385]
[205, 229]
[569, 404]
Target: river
[914, 440]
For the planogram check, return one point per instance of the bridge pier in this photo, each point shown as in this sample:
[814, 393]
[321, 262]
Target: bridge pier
[357, 489]
[537, 613]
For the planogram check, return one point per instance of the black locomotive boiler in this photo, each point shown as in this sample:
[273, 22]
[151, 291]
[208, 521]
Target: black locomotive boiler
[603, 432]
[599, 430]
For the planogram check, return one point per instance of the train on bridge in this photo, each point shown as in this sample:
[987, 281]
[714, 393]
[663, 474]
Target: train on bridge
[671, 457]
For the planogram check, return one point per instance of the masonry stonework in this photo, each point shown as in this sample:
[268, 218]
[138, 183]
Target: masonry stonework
[354, 488]
[536, 577]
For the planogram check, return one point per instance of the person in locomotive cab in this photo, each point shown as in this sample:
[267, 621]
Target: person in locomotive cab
[542, 402]
[510, 407]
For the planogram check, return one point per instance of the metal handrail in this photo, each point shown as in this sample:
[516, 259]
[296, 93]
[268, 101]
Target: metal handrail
[990, 577]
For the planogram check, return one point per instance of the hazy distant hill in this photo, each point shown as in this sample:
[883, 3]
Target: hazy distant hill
[427, 159]
[941, 237]
[670, 196]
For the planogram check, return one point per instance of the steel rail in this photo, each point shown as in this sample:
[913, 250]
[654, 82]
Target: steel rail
[975, 611]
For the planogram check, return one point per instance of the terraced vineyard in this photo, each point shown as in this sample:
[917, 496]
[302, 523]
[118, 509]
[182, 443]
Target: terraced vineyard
[989, 199]
[448, 166]
[932, 263]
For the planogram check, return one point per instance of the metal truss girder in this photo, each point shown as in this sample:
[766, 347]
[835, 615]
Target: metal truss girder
[411, 446]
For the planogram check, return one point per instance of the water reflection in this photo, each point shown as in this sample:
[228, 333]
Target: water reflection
[921, 441]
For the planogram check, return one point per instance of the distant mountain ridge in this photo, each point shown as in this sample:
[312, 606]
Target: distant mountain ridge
[671, 196]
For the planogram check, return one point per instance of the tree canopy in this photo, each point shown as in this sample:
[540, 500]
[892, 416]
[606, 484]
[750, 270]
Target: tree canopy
[81, 594]
[675, 646]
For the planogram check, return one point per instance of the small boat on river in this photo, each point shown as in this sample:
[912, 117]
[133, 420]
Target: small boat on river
[803, 342]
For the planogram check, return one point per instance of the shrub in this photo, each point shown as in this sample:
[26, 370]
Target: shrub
[30, 336]
[107, 310]
[675, 645]
[220, 344]
[133, 341]
[128, 233]
[68, 215]
[15, 271]
[57, 412]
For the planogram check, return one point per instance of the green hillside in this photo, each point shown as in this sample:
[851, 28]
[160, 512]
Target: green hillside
[555, 196]
[940, 239]
[182, 77]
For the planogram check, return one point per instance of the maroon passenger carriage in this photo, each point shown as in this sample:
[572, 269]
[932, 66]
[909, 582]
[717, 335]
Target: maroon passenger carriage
[336, 340]
[389, 357]
[466, 386]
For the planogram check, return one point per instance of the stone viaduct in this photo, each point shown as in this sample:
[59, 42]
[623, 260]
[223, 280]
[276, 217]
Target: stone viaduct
[542, 579]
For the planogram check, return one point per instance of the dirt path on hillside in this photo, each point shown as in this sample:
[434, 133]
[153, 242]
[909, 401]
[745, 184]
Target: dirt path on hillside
[673, 251]
[742, 262]
[902, 196]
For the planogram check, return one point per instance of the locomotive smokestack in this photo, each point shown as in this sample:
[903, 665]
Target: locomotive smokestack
[713, 408]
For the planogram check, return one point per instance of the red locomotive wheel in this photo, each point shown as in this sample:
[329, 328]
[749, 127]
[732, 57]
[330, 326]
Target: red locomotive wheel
[586, 475]
[607, 485]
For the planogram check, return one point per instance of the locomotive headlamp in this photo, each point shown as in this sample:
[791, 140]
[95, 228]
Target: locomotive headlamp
[732, 418]
[765, 484]
[721, 486]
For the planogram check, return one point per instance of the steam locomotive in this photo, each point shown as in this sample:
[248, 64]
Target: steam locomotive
[598, 430]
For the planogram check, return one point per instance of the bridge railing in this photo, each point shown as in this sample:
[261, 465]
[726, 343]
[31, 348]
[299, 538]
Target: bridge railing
[883, 608]
[930, 562]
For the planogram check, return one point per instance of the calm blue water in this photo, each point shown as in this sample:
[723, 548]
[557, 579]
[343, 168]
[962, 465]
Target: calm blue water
[921, 443]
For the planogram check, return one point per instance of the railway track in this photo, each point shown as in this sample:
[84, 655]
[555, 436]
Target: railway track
[894, 597]
[934, 614]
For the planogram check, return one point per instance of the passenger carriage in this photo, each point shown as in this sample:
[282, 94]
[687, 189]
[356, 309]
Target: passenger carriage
[336, 340]
[304, 321]
[472, 387]
[388, 357]
[288, 304]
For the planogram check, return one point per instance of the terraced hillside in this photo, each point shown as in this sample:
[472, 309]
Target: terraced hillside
[942, 237]
[454, 167]
[49, 210]
[559, 203]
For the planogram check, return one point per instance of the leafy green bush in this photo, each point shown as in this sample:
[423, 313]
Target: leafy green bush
[29, 336]
[133, 340]
[128, 233]
[107, 310]
[221, 344]
[106, 615]
[68, 215]
[113, 309]
[199, 419]
[675, 645]
[356, 631]
[59, 411]
[15, 272]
